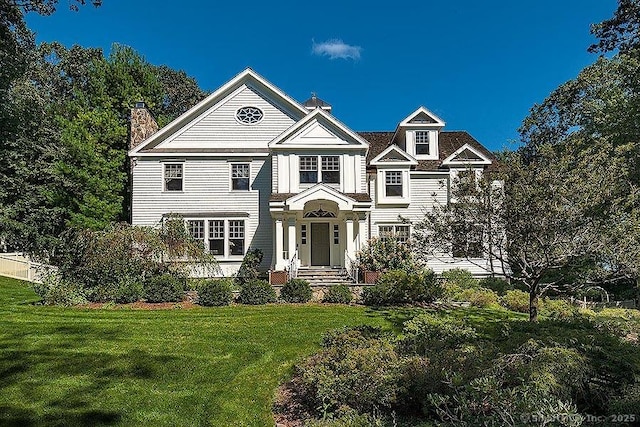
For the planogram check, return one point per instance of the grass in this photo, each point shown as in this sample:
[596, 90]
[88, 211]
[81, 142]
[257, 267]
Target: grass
[206, 366]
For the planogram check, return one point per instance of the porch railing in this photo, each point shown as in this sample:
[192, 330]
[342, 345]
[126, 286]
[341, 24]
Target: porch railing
[293, 265]
[351, 267]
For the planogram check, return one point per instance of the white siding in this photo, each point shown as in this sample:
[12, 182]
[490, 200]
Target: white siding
[218, 128]
[425, 190]
[206, 188]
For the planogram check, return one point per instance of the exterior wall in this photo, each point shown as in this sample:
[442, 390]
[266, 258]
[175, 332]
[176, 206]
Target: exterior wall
[287, 168]
[425, 190]
[206, 189]
[219, 128]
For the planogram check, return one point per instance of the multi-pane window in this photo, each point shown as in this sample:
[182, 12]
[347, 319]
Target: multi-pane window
[331, 169]
[173, 177]
[236, 237]
[393, 183]
[216, 237]
[399, 232]
[303, 234]
[336, 234]
[467, 241]
[308, 169]
[196, 229]
[240, 176]
[422, 142]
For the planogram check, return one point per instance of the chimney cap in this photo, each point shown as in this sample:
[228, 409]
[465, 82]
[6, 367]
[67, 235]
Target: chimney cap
[141, 104]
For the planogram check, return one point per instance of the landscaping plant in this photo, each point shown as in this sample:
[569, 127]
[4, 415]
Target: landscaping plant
[338, 294]
[256, 292]
[296, 291]
[215, 292]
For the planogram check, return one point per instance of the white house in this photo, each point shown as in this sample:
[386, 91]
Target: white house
[250, 167]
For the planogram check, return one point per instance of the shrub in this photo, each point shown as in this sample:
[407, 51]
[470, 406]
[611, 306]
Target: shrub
[460, 277]
[257, 292]
[338, 294]
[352, 371]
[428, 333]
[400, 287]
[129, 290]
[55, 291]
[496, 284]
[479, 297]
[296, 291]
[164, 288]
[215, 292]
[385, 255]
[249, 269]
[516, 300]
[558, 309]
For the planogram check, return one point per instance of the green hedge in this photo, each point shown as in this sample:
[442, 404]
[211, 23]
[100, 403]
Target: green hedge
[256, 292]
[296, 291]
[215, 292]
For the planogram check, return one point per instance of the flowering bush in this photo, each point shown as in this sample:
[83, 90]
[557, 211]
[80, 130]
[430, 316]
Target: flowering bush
[386, 254]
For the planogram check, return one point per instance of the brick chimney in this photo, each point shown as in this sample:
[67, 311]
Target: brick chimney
[143, 125]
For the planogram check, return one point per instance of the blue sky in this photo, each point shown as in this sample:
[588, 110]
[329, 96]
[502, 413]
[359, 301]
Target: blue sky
[480, 66]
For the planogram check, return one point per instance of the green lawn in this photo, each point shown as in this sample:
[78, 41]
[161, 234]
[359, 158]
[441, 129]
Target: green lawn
[206, 366]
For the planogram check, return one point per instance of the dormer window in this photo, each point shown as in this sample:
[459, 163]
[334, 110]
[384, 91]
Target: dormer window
[393, 183]
[422, 142]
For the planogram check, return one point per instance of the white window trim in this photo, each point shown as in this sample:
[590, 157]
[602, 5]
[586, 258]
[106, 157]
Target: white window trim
[227, 252]
[164, 176]
[381, 191]
[395, 225]
[319, 169]
[410, 138]
[231, 177]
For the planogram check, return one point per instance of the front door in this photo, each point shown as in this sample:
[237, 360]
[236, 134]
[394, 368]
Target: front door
[320, 249]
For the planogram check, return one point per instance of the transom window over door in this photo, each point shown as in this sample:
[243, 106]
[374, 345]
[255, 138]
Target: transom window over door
[240, 176]
[393, 183]
[329, 171]
[422, 142]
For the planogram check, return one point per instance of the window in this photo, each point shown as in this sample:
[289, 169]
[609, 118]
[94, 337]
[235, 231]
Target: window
[336, 234]
[329, 172]
[467, 241]
[173, 177]
[400, 232]
[422, 142]
[308, 170]
[331, 169]
[249, 115]
[466, 180]
[303, 234]
[236, 237]
[240, 176]
[393, 183]
[196, 229]
[216, 237]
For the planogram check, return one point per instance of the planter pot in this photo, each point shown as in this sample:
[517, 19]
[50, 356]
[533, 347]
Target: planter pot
[278, 277]
[370, 277]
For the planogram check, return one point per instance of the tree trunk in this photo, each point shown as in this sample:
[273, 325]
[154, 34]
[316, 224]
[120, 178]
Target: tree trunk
[533, 304]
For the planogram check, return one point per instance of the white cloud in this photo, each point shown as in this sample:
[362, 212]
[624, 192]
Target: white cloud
[336, 48]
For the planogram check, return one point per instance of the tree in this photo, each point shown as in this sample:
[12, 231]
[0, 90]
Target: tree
[65, 163]
[622, 31]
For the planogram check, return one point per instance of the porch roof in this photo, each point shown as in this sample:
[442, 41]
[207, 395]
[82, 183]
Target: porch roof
[358, 197]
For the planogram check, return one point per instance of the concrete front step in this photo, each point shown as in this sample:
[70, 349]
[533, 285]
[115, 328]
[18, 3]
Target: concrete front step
[324, 277]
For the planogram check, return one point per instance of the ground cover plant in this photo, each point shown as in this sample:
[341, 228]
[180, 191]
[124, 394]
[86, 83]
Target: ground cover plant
[204, 366]
[474, 366]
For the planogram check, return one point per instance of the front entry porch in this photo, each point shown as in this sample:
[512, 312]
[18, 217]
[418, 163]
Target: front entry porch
[320, 229]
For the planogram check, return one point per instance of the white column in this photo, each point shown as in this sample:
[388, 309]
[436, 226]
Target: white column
[292, 237]
[279, 240]
[350, 249]
[359, 242]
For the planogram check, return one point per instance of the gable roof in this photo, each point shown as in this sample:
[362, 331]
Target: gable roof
[466, 155]
[393, 155]
[248, 77]
[421, 117]
[448, 143]
[330, 124]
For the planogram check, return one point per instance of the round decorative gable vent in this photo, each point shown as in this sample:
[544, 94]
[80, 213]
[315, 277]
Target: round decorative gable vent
[249, 115]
